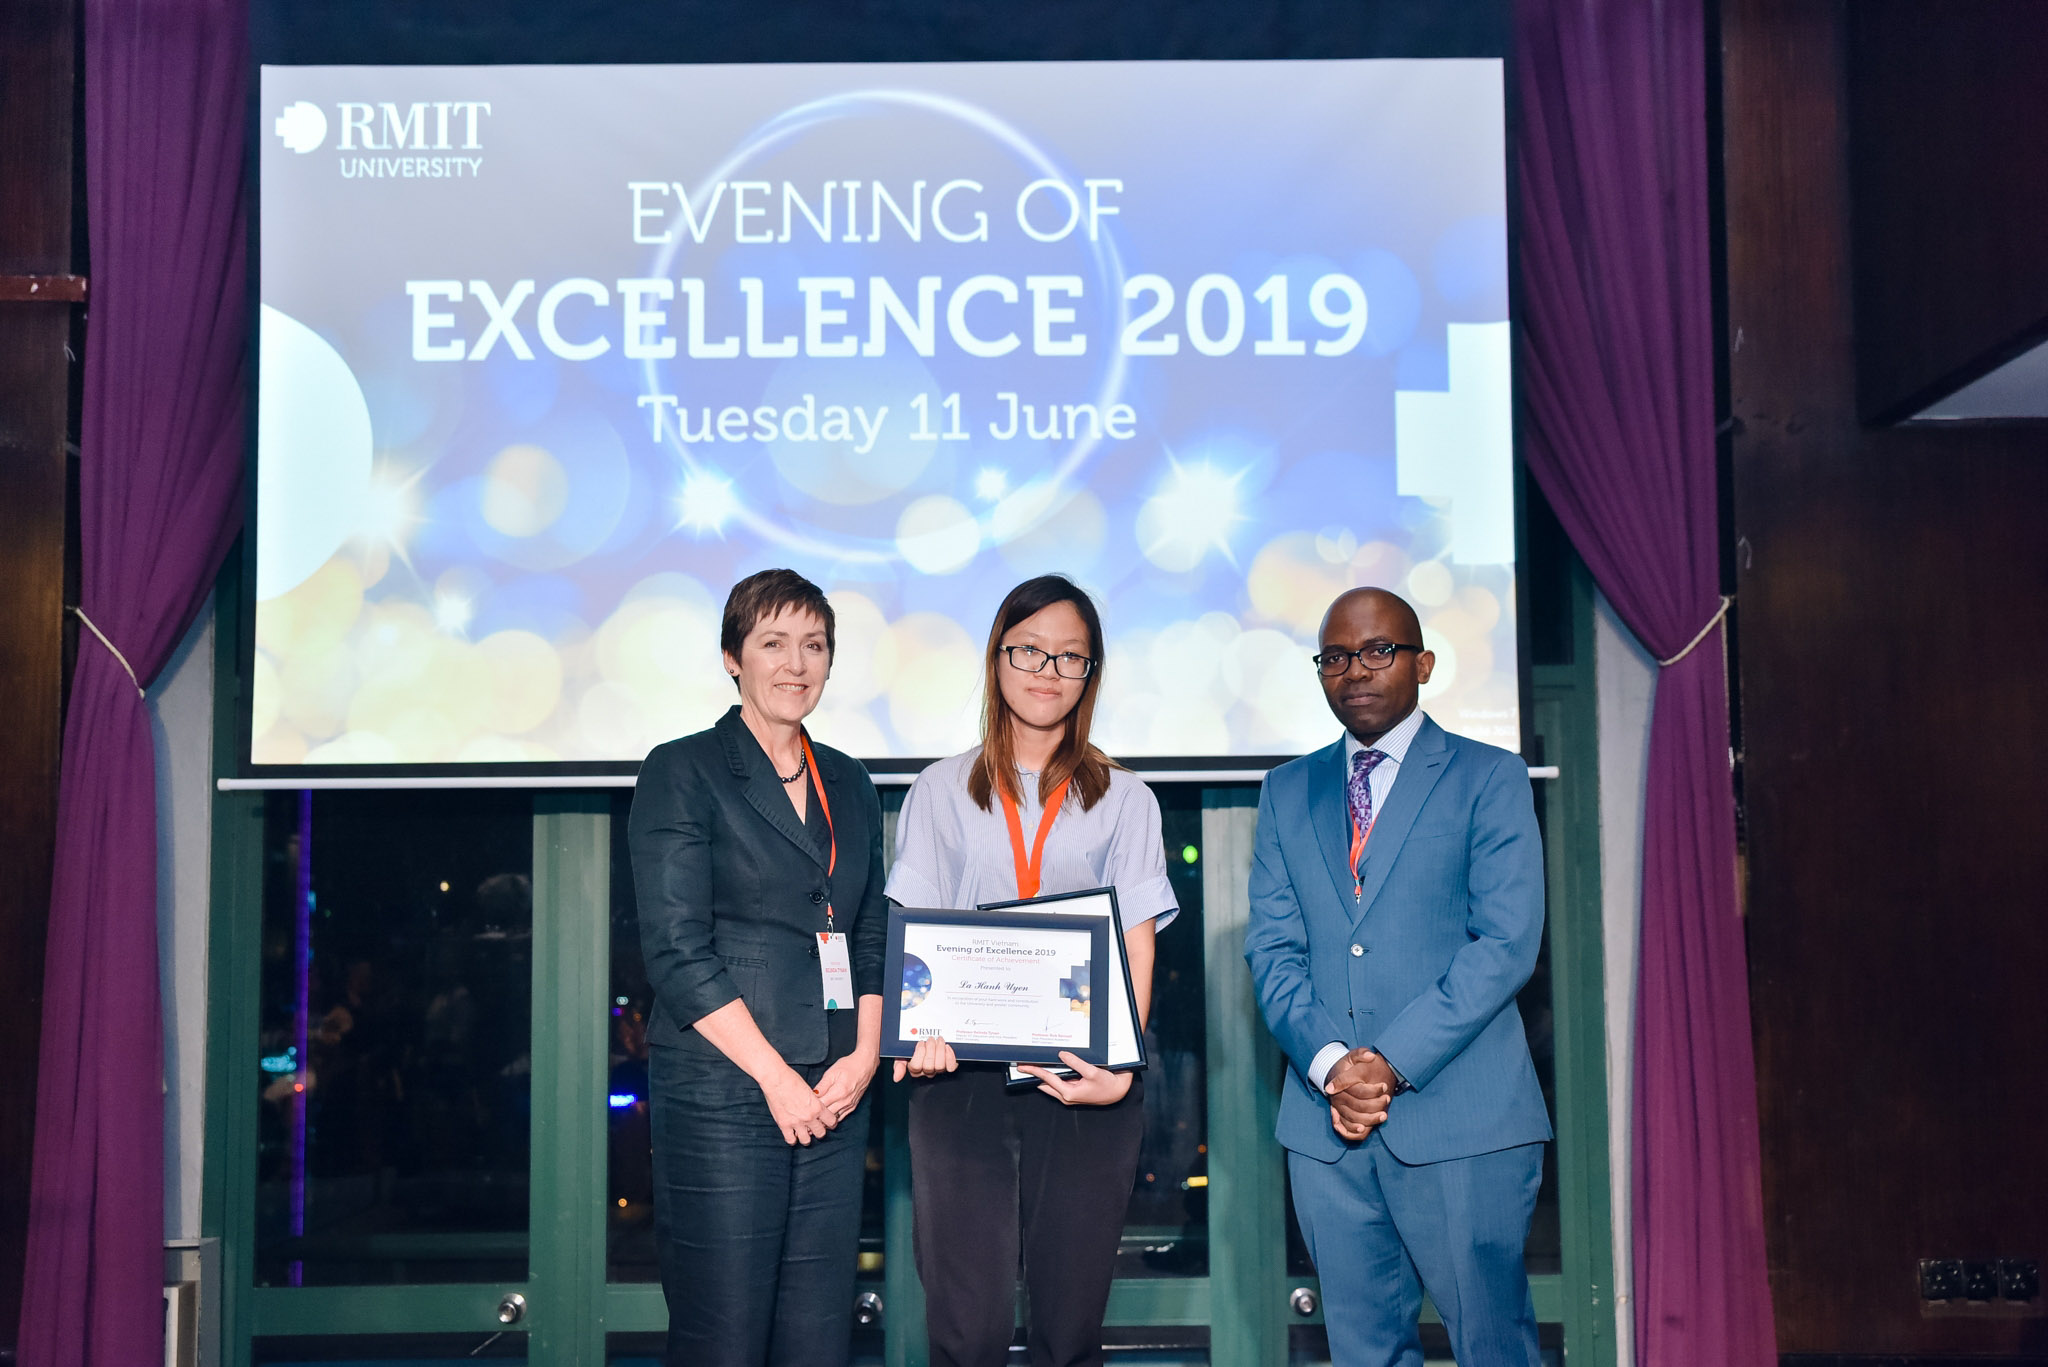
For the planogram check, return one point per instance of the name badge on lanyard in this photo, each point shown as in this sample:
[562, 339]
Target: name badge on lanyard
[835, 970]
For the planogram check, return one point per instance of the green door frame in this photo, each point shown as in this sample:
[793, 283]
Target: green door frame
[1243, 1301]
[1567, 721]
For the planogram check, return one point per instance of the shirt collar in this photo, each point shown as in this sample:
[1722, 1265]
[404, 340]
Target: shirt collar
[1394, 745]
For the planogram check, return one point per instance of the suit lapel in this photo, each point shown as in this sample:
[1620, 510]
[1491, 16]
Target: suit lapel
[762, 787]
[1427, 755]
[764, 792]
[1329, 813]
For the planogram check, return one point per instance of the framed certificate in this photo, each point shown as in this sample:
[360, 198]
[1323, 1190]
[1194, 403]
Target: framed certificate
[1112, 991]
[1000, 987]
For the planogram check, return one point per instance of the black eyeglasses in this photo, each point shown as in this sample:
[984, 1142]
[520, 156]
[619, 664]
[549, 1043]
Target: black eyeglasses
[1378, 655]
[1032, 660]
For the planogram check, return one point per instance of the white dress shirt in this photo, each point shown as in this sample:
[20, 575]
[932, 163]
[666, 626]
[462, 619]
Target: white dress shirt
[1380, 782]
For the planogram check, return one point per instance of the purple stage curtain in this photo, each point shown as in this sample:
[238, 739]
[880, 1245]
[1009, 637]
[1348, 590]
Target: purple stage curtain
[1617, 357]
[160, 478]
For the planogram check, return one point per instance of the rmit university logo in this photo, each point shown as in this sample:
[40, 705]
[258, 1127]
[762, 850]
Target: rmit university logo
[425, 126]
[386, 140]
[302, 127]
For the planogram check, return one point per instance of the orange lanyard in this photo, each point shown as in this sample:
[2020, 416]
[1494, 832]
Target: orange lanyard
[1028, 870]
[832, 862]
[1358, 839]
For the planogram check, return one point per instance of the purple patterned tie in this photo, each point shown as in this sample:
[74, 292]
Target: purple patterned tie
[1362, 765]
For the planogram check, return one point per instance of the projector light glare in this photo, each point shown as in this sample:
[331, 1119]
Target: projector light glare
[390, 511]
[452, 613]
[1190, 516]
[706, 503]
[991, 484]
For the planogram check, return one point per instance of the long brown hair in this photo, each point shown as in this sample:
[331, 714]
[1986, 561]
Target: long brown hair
[1074, 758]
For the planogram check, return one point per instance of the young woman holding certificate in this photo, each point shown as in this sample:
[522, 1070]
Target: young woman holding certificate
[1043, 1173]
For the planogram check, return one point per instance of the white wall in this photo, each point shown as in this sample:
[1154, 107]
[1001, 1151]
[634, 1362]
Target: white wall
[181, 719]
[1626, 683]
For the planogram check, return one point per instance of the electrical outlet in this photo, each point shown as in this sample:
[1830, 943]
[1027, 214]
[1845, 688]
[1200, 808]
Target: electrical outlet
[1941, 1279]
[1981, 1288]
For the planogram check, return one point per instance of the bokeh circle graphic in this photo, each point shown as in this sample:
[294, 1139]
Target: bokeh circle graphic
[1033, 501]
[917, 981]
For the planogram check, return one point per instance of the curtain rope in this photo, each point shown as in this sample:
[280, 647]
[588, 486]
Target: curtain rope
[1712, 622]
[79, 613]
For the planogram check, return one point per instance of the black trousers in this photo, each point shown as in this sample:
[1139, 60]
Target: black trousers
[997, 1176]
[758, 1238]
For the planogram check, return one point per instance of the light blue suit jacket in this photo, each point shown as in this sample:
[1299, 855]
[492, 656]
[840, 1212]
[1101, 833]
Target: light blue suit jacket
[1448, 928]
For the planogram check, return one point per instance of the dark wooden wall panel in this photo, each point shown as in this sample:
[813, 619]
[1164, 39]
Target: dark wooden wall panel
[1948, 105]
[1894, 667]
[36, 67]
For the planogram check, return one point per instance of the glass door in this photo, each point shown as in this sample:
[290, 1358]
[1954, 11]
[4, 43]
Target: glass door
[397, 1164]
[395, 1032]
[373, 1010]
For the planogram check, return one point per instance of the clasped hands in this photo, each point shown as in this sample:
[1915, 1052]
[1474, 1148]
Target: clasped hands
[1092, 1086]
[1359, 1086]
[804, 1112]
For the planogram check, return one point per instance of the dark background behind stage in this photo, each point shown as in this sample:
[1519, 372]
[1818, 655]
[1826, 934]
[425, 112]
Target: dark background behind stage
[1884, 198]
[386, 31]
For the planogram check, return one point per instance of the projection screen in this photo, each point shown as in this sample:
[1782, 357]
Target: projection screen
[550, 356]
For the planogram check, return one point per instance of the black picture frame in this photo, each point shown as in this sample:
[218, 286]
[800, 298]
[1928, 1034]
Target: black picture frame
[1096, 928]
[1138, 1060]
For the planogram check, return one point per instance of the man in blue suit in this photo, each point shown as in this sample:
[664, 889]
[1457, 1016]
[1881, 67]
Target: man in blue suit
[1396, 910]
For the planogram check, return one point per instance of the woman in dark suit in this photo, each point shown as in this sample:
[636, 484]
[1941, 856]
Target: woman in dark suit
[757, 862]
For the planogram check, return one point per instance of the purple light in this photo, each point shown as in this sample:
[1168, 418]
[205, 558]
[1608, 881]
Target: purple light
[302, 947]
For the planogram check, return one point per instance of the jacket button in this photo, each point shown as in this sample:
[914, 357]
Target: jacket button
[817, 894]
[1357, 950]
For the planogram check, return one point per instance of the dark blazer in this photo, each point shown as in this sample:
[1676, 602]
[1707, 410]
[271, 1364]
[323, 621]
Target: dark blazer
[732, 890]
